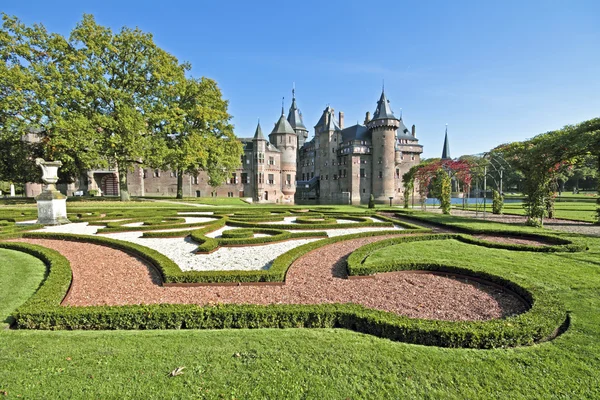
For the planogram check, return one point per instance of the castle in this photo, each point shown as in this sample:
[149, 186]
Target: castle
[337, 166]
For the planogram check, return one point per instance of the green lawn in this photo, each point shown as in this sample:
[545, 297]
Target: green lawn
[572, 210]
[327, 364]
[20, 276]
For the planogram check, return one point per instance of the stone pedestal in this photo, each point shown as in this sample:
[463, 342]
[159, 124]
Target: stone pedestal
[52, 208]
[52, 204]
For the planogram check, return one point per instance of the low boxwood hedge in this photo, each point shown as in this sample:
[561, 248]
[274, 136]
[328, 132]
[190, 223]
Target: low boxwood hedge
[43, 311]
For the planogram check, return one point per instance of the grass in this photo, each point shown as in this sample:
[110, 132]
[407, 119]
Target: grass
[571, 210]
[20, 276]
[327, 363]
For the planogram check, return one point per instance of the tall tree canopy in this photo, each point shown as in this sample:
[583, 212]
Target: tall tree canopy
[200, 136]
[100, 98]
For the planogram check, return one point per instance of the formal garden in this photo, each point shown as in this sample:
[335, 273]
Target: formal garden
[263, 301]
[217, 298]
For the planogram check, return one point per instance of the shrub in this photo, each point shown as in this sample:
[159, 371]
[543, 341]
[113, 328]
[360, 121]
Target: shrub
[372, 201]
[497, 202]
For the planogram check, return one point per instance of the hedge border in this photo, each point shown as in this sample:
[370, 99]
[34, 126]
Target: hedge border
[43, 311]
[560, 244]
[543, 318]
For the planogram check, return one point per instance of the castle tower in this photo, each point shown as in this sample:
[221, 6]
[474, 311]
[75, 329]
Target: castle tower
[327, 140]
[259, 145]
[383, 127]
[295, 120]
[284, 138]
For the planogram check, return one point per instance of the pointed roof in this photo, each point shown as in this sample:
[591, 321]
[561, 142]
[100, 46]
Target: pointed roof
[283, 126]
[383, 110]
[446, 149]
[328, 121]
[258, 135]
[295, 116]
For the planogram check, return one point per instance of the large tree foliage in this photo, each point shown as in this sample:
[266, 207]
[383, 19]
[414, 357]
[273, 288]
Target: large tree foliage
[545, 157]
[101, 98]
[200, 136]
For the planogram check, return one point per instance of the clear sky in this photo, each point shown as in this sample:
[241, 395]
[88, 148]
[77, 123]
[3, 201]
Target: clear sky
[494, 71]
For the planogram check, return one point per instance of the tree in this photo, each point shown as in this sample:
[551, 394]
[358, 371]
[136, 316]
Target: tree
[442, 189]
[124, 83]
[201, 137]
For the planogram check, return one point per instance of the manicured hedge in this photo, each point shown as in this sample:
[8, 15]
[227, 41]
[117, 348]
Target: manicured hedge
[545, 315]
[558, 244]
[350, 225]
[43, 311]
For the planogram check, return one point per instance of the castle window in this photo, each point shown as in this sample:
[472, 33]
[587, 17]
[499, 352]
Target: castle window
[157, 173]
[312, 175]
[271, 161]
[271, 179]
[196, 180]
[344, 173]
[288, 179]
[362, 173]
[412, 157]
[303, 176]
[145, 174]
[364, 191]
[326, 177]
[397, 173]
[379, 160]
[245, 178]
[380, 174]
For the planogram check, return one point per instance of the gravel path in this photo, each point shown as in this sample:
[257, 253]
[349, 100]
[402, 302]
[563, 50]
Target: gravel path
[104, 276]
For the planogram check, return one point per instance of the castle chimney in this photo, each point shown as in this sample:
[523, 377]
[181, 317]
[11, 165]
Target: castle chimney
[367, 117]
[413, 131]
[341, 120]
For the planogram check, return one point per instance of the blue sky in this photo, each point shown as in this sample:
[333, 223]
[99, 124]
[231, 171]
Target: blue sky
[494, 71]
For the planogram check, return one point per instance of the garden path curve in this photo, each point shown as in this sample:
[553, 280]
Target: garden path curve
[105, 276]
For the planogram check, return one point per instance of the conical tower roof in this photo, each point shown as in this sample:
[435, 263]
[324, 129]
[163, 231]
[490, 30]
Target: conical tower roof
[258, 135]
[283, 126]
[446, 149]
[383, 110]
[294, 116]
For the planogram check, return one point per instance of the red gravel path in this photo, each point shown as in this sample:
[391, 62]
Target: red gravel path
[104, 276]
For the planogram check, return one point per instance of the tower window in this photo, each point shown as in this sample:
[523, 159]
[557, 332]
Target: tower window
[380, 174]
[362, 173]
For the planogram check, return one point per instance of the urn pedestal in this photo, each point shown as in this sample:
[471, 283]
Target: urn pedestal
[51, 204]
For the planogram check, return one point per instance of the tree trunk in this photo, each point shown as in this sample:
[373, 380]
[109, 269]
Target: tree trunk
[179, 184]
[123, 182]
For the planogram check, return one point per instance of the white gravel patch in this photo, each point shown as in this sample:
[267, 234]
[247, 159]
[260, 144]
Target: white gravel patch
[224, 259]
[219, 232]
[195, 213]
[340, 232]
[134, 224]
[182, 250]
[286, 220]
[80, 228]
[195, 220]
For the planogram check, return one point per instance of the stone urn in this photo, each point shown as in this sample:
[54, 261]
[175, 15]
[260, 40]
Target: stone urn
[52, 205]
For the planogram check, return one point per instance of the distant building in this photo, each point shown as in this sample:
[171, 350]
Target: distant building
[338, 165]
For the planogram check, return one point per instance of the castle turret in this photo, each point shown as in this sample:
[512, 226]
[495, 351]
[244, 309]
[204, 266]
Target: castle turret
[285, 139]
[259, 145]
[383, 127]
[295, 120]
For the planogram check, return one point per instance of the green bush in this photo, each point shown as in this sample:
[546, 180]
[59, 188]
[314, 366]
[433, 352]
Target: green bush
[497, 202]
[372, 201]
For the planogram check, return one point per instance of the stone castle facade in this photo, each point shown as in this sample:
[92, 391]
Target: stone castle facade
[339, 165]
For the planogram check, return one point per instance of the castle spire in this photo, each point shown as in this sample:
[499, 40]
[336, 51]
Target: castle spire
[294, 115]
[446, 149]
[258, 135]
[383, 111]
